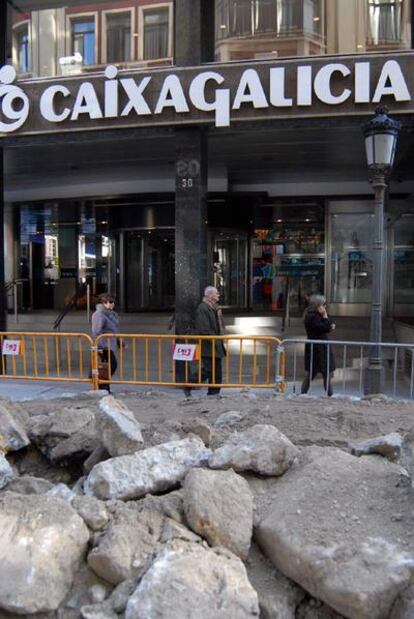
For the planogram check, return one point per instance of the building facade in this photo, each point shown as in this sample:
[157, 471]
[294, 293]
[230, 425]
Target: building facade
[171, 144]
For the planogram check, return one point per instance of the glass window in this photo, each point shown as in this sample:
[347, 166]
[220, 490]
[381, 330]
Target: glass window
[241, 17]
[351, 266]
[237, 18]
[265, 16]
[404, 259]
[312, 18]
[385, 21]
[22, 49]
[156, 34]
[83, 39]
[118, 37]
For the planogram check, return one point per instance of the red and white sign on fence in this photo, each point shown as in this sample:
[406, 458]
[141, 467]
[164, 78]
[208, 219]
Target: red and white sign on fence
[185, 352]
[11, 347]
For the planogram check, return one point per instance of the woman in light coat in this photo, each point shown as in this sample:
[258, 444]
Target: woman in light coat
[105, 320]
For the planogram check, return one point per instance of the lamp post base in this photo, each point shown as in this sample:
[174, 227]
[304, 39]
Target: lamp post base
[374, 378]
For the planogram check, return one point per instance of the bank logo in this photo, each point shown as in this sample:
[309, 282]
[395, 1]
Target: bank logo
[14, 103]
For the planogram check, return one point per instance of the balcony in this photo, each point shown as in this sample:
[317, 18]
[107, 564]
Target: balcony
[255, 28]
[385, 25]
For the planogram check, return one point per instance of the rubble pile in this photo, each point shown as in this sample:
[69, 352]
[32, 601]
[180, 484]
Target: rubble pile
[104, 517]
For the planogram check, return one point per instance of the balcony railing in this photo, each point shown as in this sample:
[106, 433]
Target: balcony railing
[385, 22]
[240, 18]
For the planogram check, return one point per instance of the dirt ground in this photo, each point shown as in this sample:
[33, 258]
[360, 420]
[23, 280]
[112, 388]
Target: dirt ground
[306, 420]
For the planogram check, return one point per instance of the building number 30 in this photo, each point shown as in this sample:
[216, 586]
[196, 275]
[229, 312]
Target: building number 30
[187, 171]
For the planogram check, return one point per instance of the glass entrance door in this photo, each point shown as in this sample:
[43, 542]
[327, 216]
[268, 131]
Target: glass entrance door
[230, 268]
[149, 269]
[288, 262]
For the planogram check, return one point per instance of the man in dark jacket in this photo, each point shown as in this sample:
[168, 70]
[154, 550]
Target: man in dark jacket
[209, 321]
[318, 357]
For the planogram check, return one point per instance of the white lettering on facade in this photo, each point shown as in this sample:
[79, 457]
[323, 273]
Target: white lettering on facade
[86, 103]
[304, 87]
[362, 82]
[277, 88]
[136, 100]
[47, 104]
[221, 103]
[333, 84]
[391, 73]
[250, 90]
[111, 92]
[172, 95]
[322, 84]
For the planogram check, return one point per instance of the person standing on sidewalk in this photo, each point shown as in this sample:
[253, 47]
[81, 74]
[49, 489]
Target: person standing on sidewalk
[106, 320]
[317, 360]
[209, 321]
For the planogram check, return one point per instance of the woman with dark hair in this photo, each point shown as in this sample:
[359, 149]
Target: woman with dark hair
[317, 359]
[105, 320]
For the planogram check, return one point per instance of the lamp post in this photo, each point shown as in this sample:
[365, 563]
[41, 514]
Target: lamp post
[380, 134]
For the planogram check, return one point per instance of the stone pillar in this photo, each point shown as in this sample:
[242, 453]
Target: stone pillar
[3, 55]
[194, 32]
[194, 44]
[190, 225]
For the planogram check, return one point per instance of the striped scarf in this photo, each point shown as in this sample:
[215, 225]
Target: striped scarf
[219, 314]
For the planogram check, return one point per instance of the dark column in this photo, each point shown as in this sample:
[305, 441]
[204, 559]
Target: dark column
[194, 44]
[3, 55]
[194, 32]
[190, 225]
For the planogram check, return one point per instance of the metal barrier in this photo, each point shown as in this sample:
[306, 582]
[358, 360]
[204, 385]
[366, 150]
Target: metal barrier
[47, 356]
[148, 360]
[351, 360]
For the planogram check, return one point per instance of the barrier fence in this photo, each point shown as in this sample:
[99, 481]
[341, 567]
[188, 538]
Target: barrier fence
[141, 359]
[249, 361]
[46, 356]
[184, 361]
[351, 361]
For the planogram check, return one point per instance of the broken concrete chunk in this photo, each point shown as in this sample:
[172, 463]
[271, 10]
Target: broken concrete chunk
[329, 529]
[152, 470]
[92, 511]
[129, 540]
[13, 422]
[187, 580]
[219, 507]
[26, 484]
[120, 432]
[261, 448]
[42, 540]
[6, 471]
[390, 446]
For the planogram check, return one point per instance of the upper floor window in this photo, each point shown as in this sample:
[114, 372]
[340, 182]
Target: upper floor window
[237, 18]
[22, 48]
[118, 37]
[156, 27]
[385, 17]
[83, 39]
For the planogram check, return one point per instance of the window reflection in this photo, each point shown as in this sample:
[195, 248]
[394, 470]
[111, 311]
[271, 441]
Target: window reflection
[156, 34]
[385, 18]
[404, 259]
[83, 39]
[69, 39]
[22, 44]
[351, 257]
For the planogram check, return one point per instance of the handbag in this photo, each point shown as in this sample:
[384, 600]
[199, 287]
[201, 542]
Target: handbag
[103, 370]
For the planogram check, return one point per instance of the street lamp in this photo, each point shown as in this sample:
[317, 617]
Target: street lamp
[380, 134]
